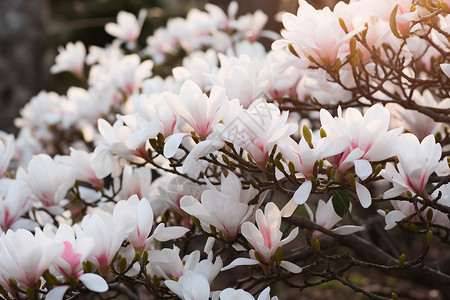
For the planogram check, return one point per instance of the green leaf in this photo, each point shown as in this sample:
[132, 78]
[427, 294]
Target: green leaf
[341, 203]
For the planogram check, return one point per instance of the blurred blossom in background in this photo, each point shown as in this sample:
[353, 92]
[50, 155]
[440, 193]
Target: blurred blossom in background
[33, 30]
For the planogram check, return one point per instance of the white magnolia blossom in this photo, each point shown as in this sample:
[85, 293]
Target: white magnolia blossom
[416, 162]
[25, 257]
[266, 238]
[225, 208]
[128, 28]
[7, 146]
[70, 59]
[141, 211]
[15, 200]
[326, 217]
[48, 180]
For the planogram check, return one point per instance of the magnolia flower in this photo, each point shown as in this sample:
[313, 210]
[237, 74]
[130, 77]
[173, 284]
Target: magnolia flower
[196, 67]
[200, 111]
[70, 59]
[48, 181]
[135, 181]
[326, 217]
[402, 209]
[141, 211]
[304, 159]
[315, 34]
[127, 28]
[79, 162]
[117, 143]
[108, 231]
[190, 286]
[266, 238]
[241, 78]
[70, 262]
[416, 122]
[14, 201]
[155, 115]
[240, 294]
[438, 216]
[7, 147]
[368, 139]
[416, 162]
[167, 264]
[129, 72]
[257, 130]
[225, 208]
[24, 257]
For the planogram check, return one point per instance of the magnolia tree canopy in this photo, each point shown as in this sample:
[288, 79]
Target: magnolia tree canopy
[245, 173]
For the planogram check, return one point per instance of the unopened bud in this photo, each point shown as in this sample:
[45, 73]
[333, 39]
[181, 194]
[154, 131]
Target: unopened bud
[351, 180]
[429, 215]
[342, 24]
[279, 255]
[122, 264]
[292, 50]
[429, 237]
[401, 260]
[307, 136]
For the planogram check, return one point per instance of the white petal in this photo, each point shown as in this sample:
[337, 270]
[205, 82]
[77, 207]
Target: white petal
[57, 293]
[265, 295]
[169, 233]
[363, 168]
[392, 218]
[241, 261]
[291, 267]
[363, 195]
[302, 193]
[289, 208]
[172, 143]
[347, 229]
[446, 69]
[94, 282]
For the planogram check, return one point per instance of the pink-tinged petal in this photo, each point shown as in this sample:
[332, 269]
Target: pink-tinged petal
[241, 261]
[251, 233]
[347, 229]
[94, 282]
[57, 293]
[363, 195]
[289, 208]
[363, 168]
[302, 193]
[291, 267]
[172, 143]
[392, 218]
[353, 155]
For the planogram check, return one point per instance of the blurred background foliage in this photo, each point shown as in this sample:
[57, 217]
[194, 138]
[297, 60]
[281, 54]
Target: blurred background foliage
[33, 30]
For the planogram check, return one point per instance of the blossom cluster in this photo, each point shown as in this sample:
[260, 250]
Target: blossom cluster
[128, 179]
